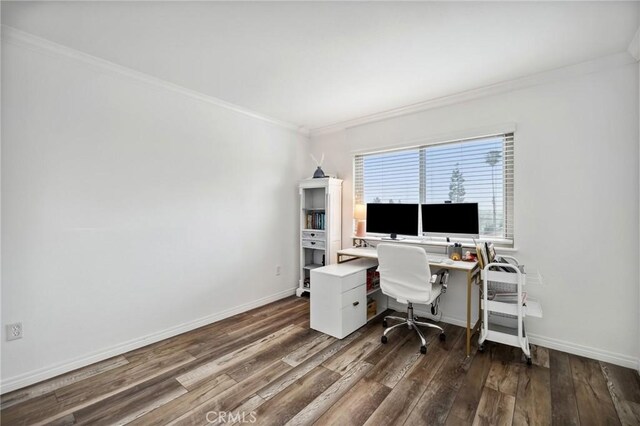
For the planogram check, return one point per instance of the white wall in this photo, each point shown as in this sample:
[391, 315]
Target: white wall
[576, 199]
[131, 211]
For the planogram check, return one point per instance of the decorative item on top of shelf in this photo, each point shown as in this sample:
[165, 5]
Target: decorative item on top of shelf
[318, 173]
[360, 213]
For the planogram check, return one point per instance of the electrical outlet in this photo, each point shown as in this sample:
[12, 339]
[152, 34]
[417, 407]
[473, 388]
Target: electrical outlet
[278, 269]
[14, 331]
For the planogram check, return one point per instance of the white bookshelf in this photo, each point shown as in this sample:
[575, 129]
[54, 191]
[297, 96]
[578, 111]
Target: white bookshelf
[321, 239]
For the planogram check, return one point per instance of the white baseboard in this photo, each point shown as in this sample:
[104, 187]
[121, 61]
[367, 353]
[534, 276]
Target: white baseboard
[31, 377]
[547, 342]
[585, 351]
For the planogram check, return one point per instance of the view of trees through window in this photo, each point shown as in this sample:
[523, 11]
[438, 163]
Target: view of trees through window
[472, 171]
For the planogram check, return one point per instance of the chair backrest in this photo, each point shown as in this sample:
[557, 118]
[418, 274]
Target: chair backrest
[404, 273]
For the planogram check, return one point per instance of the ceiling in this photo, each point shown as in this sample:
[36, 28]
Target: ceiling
[318, 63]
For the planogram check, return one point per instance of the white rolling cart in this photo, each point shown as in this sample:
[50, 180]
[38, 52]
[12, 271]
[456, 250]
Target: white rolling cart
[504, 305]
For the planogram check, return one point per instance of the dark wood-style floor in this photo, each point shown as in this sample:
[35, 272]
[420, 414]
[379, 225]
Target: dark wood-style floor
[269, 365]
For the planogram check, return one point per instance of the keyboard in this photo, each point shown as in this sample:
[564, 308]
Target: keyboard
[443, 260]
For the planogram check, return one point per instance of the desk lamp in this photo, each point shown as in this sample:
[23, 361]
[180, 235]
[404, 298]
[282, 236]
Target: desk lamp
[360, 214]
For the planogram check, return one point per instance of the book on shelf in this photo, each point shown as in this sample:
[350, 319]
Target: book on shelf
[315, 220]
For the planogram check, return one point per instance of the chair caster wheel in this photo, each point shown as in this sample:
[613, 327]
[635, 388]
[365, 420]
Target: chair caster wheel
[384, 323]
[443, 337]
[529, 362]
[481, 348]
[383, 339]
[423, 349]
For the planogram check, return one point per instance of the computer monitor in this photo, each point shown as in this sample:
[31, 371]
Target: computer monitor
[451, 219]
[393, 218]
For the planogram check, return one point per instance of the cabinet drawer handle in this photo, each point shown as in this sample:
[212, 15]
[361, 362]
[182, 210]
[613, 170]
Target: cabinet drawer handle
[356, 303]
[313, 235]
[313, 243]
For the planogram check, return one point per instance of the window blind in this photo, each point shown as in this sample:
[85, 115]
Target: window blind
[472, 170]
[391, 177]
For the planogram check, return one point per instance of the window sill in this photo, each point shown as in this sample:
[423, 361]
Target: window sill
[500, 245]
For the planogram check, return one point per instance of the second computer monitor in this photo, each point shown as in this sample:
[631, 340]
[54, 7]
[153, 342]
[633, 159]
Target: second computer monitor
[392, 218]
[450, 219]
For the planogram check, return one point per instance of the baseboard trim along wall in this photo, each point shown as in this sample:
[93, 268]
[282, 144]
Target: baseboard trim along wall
[585, 351]
[547, 342]
[13, 383]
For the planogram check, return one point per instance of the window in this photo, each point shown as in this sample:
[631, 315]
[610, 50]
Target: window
[476, 170]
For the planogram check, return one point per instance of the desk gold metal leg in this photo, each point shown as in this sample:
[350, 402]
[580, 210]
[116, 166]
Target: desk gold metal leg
[341, 259]
[476, 281]
[469, 284]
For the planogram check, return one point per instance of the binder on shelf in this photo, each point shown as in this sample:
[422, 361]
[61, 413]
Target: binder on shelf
[373, 278]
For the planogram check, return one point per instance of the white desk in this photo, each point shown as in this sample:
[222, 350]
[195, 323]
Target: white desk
[470, 268]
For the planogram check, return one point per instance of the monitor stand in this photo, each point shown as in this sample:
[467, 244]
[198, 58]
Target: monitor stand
[392, 237]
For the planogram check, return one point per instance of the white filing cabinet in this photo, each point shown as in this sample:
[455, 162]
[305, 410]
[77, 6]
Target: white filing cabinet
[339, 297]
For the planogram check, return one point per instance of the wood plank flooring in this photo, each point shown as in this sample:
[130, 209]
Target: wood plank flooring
[266, 366]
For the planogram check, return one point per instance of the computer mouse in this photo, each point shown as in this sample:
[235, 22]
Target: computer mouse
[448, 261]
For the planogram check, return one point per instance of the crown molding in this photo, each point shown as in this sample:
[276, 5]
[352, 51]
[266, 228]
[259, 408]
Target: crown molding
[33, 42]
[572, 71]
[443, 138]
[634, 46]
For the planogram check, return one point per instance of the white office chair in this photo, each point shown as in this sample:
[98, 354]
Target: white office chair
[405, 275]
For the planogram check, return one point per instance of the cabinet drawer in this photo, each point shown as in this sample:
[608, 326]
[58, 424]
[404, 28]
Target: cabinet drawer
[352, 281]
[354, 297]
[354, 310]
[313, 244]
[313, 235]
